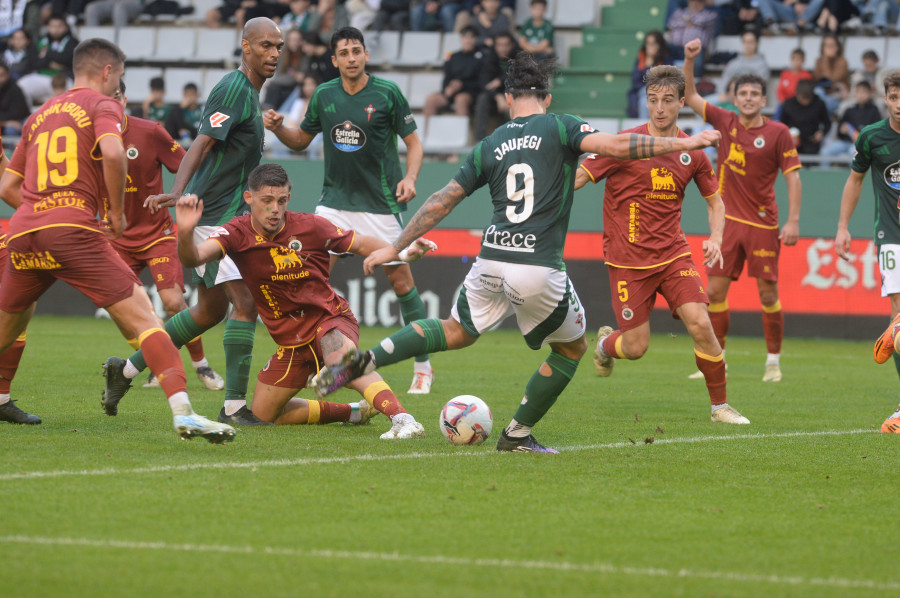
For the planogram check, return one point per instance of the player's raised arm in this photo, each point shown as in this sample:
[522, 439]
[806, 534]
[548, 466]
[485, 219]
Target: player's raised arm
[188, 210]
[790, 232]
[200, 147]
[632, 146]
[849, 200]
[693, 99]
[115, 169]
[296, 139]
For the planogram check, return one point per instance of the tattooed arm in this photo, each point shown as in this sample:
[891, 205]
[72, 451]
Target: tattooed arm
[631, 146]
[426, 218]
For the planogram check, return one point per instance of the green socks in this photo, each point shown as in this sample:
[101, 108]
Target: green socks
[407, 342]
[238, 341]
[412, 309]
[181, 328]
[542, 391]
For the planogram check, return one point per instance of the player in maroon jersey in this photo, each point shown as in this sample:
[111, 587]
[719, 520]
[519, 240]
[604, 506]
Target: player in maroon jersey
[752, 151]
[284, 259]
[149, 240]
[69, 158]
[645, 248]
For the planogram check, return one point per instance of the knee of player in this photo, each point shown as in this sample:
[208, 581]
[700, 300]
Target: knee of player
[768, 297]
[635, 349]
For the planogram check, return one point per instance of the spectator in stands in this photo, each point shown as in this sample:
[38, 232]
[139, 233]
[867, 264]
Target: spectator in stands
[738, 16]
[362, 12]
[750, 61]
[434, 15]
[290, 70]
[184, 118]
[71, 11]
[462, 77]
[13, 107]
[492, 99]
[298, 17]
[59, 83]
[685, 24]
[216, 17]
[20, 55]
[878, 15]
[328, 18]
[294, 110]
[490, 21]
[873, 74]
[835, 14]
[317, 57]
[807, 113]
[536, 35]
[155, 106]
[270, 9]
[861, 114]
[787, 16]
[393, 15]
[55, 52]
[470, 9]
[120, 12]
[787, 82]
[831, 73]
[654, 52]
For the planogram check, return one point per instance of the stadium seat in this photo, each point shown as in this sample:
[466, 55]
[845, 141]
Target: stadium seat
[728, 43]
[137, 79]
[446, 134]
[421, 85]
[176, 79]
[777, 51]
[108, 33]
[573, 13]
[855, 46]
[174, 44]
[210, 78]
[450, 44]
[605, 125]
[892, 50]
[216, 45]
[200, 9]
[401, 79]
[383, 47]
[138, 43]
[420, 48]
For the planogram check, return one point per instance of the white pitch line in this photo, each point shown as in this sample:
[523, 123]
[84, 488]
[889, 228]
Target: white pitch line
[33, 475]
[559, 566]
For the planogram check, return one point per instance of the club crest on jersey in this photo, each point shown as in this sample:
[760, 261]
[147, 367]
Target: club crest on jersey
[369, 110]
[684, 158]
[892, 175]
[759, 142]
[347, 137]
[216, 120]
[131, 152]
[627, 314]
[295, 245]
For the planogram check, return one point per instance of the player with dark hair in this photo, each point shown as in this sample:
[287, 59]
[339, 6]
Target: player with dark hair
[365, 190]
[645, 248]
[149, 240]
[529, 165]
[227, 148]
[70, 158]
[275, 249]
[878, 148]
[753, 150]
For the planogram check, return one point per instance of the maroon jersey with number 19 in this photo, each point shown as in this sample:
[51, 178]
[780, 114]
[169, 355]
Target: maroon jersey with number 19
[63, 183]
[288, 276]
[642, 203]
[148, 146]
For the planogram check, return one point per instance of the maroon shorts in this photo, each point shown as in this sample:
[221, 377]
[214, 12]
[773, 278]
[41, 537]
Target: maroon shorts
[162, 259]
[634, 291]
[78, 256]
[759, 247]
[290, 367]
[4, 255]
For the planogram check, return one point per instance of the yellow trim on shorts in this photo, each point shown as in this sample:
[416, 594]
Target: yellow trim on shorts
[716, 358]
[718, 308]
[771, 309]
[315, 412]
[291, 362]
[21, 338]
[373, 389]
[753, 224]
[37, 228]
[609, 263]
[143, 336]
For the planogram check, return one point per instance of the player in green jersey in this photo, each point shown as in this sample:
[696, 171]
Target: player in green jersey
[229, 145]
[878, 148]
[529, 166]
[365, 190]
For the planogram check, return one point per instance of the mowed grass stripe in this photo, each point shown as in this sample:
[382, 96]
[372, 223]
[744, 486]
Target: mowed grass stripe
[111, 471]
[443, 560]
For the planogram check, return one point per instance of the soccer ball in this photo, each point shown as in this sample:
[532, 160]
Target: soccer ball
[466, 420]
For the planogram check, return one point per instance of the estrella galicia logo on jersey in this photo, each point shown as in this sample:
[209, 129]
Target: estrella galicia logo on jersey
[216, 120]
[131, 152]
[892, 175]
[684, 158]
[347, 137]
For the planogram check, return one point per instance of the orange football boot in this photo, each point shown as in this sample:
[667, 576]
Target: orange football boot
[884, 346]
[891, 425]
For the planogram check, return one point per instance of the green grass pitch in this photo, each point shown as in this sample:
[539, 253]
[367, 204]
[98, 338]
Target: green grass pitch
[647, 498]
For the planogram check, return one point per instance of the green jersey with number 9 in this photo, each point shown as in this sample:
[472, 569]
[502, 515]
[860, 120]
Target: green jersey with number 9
[529, 166]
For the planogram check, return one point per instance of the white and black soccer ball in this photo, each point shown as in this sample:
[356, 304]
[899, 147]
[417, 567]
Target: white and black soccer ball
[466, 420]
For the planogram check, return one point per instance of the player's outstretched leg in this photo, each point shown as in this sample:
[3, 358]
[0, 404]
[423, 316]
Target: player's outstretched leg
[606, 350]
[411, 309]
[377, 393]
[9, 365]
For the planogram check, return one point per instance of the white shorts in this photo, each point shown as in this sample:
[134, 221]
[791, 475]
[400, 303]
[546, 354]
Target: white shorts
[386, 227]
[889, 264]
[214, 273]
[543, 299]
